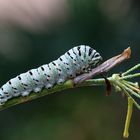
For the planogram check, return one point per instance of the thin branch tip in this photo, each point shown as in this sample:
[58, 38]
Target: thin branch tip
[127, 52]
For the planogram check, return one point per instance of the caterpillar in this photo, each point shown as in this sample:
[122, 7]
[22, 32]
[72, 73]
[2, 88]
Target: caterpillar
[77, 60]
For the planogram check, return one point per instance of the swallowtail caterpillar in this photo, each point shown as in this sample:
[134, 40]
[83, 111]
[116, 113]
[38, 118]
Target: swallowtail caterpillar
[77, 60]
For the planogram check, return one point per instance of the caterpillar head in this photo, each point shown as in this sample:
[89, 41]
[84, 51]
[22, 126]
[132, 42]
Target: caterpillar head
[94, 59]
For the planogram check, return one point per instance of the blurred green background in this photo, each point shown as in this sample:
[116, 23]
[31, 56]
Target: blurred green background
[34, 34]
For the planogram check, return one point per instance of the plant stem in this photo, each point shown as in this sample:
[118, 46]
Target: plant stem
[131, 69]
[67, 85]
[128, 118]
[18, 100]
[131, 76]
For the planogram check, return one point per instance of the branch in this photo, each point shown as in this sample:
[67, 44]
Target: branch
[79, 81]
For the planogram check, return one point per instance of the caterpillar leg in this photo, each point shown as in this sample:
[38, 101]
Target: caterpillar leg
[38, 89]
[16, 94]
[48, 86]
[60, 81]
[2, 100]
[25, 93]
[8, 96]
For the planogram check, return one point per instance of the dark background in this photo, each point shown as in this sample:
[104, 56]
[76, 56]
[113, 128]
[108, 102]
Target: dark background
[109, 26]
